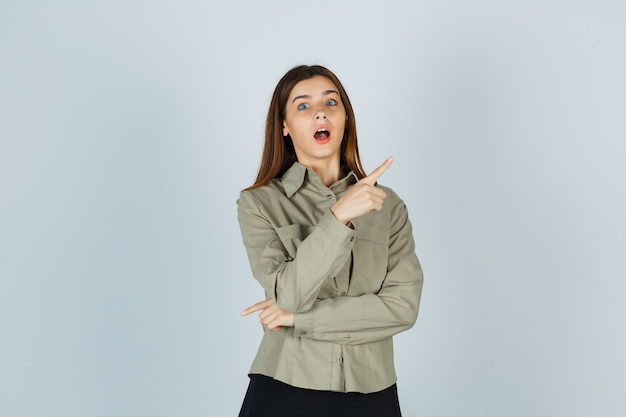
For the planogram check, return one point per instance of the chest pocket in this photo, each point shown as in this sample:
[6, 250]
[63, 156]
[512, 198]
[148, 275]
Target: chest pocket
[371, 253]
[291, 236]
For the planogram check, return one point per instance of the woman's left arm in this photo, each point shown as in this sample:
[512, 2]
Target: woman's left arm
[374, 316]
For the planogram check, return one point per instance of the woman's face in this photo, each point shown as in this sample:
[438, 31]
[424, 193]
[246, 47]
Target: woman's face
[315, 119]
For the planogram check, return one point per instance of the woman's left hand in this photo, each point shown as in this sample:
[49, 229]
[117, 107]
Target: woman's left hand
[272, 316]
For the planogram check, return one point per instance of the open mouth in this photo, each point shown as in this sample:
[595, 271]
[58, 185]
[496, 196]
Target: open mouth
[322, 134]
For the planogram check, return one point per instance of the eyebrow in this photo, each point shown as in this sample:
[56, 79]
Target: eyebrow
[325, 93]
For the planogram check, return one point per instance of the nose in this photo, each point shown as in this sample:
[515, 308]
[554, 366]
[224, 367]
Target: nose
[320, 114]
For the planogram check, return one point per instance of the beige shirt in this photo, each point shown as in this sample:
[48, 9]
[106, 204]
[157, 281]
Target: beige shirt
[351, 289]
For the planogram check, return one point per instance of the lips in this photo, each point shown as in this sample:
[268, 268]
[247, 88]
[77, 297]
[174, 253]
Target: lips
[322, 134]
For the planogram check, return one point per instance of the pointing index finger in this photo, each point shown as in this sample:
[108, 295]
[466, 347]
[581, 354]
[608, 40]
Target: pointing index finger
[375, 174]
[256, 307]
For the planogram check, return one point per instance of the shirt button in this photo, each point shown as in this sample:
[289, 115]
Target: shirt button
[329, 196]
[339, 359]
[351, 238]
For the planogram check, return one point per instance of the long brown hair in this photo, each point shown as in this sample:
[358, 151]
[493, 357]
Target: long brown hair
[278, 151]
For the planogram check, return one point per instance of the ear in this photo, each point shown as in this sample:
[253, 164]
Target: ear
[285, 130]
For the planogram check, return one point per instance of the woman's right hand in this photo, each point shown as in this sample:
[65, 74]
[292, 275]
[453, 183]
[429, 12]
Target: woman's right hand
[363, 197]
[272, 316]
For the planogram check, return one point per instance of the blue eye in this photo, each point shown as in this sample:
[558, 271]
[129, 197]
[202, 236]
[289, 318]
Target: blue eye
[303, 106]
[331, 102]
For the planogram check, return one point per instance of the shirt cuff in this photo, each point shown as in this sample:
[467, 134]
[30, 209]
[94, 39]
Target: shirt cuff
[337, 231]
[303, 324]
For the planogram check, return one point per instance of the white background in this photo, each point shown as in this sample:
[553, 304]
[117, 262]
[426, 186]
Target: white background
[127, 129]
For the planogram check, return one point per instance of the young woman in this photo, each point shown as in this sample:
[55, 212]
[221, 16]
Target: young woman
[335, 255]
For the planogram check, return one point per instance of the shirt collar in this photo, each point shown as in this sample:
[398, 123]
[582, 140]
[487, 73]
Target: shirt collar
[297, 174]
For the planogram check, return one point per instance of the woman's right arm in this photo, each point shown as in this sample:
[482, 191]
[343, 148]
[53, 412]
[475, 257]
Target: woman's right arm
[293, 281]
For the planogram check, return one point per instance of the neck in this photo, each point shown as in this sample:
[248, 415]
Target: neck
[329, 171]
[329, 178]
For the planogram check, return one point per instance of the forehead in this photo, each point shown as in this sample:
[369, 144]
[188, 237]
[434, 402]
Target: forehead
[314, 87]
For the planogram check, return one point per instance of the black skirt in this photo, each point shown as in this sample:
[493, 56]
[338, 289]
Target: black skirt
[267, 397]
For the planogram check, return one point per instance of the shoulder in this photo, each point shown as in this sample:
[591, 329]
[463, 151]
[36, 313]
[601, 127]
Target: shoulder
[394, 205]
[261, 195]
[396, 210]
[392, 196]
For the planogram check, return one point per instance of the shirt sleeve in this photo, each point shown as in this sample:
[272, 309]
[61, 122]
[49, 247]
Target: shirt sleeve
[372, 317]
[293, 281]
